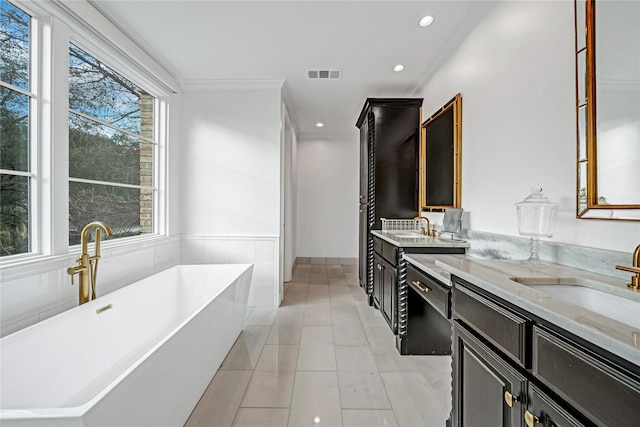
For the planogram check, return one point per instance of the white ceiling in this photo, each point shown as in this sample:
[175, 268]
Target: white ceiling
[267, 40]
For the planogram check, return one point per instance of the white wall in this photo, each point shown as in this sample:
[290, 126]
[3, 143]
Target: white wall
[327, 205]
[230, 180]
[516, 74]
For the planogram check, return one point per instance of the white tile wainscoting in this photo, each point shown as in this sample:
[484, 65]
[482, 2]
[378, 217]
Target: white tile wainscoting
[35, 293]
[262, 252]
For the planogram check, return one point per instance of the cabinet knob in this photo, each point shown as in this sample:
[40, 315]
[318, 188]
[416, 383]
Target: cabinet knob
[530, 419]
[510, 398]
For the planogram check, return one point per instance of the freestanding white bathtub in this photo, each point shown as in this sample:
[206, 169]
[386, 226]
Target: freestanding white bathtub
[143, 362]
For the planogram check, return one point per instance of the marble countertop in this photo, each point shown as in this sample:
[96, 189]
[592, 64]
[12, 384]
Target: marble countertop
[494, 276]
[413, 239]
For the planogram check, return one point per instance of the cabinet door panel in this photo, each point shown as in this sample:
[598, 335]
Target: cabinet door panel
[363, 244]
[481, 379]
[377, 280]
[547, 412]
[389, 294]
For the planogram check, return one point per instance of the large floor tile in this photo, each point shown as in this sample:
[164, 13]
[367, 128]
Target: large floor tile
[298, 287]
[219, 403]
[288, 316]
[269, 390]
[349, 334]
[316, 357]
[295, 298]
[362, 390]
[318, 269]
[338, 281]
[317, 317]
[262, 417]
[318, 291]
[368, 418]
[380, 338]
[315, 400]
[246, 350]
[392, 361]
[317, 335]
[261, 316]
[318, 279]
[285, 333]
[355, 359]
[278, 358]
[437, 371]
[413, 401]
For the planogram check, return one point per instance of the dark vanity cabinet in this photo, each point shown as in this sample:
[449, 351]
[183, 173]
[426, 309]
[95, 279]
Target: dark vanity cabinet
[419, 321]
[511, 368]
[389, 161]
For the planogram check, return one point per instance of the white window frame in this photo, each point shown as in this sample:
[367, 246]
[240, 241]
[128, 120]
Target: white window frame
[105, 58]
[32, 92]
[56, 24]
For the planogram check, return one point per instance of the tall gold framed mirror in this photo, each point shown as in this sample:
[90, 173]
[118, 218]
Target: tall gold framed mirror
[608, 109]
[441, 158]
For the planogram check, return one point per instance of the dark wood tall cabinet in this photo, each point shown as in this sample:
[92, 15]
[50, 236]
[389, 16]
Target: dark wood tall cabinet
[389, 164]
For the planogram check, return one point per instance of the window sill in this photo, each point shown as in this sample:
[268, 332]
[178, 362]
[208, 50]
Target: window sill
[38, 264]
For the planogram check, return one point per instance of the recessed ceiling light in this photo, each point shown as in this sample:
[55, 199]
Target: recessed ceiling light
[319, 124]
[426, 21]
[398, 68]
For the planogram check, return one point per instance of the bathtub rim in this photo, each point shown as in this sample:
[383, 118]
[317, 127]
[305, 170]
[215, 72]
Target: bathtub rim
[79, 410]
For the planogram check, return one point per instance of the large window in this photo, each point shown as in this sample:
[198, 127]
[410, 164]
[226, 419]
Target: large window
[111, 149]
[16, 166]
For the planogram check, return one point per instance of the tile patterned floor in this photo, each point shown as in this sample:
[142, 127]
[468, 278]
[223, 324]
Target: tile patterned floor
[324, 358]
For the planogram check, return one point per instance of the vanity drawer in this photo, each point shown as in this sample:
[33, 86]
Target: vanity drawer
[386, 249]
[602, 393]
[431, 290]
[501, 326]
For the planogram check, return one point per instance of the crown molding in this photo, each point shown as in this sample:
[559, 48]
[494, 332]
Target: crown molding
[231, 84]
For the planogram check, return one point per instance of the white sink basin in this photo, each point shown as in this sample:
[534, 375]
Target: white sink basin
[410, 236]
[612, 306]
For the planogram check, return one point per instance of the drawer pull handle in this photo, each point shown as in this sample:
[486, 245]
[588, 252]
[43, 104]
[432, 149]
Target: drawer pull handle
[530, 419]
[510, 398]
[421, 286]
[379, 267]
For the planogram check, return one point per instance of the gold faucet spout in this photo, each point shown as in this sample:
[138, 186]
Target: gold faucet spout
[635, 278]
[424, 231]
[88, 265]
[85, 235]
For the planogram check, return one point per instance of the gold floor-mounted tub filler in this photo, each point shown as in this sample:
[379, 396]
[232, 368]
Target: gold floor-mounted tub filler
[87, 267]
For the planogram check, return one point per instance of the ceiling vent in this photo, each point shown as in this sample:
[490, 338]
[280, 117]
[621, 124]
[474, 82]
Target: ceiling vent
[324, 74]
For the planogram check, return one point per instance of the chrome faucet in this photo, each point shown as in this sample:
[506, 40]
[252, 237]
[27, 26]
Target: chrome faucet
[428, 231]
[635, 278]
[87, 267]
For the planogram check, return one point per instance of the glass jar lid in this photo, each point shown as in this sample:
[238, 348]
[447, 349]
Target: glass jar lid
[536, 215]
[536, 199]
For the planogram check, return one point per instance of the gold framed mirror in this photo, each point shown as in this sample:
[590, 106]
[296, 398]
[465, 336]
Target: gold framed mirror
[441, 158]
[608, 109]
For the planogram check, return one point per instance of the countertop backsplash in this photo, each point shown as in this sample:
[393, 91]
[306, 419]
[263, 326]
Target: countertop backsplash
[490, 245]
